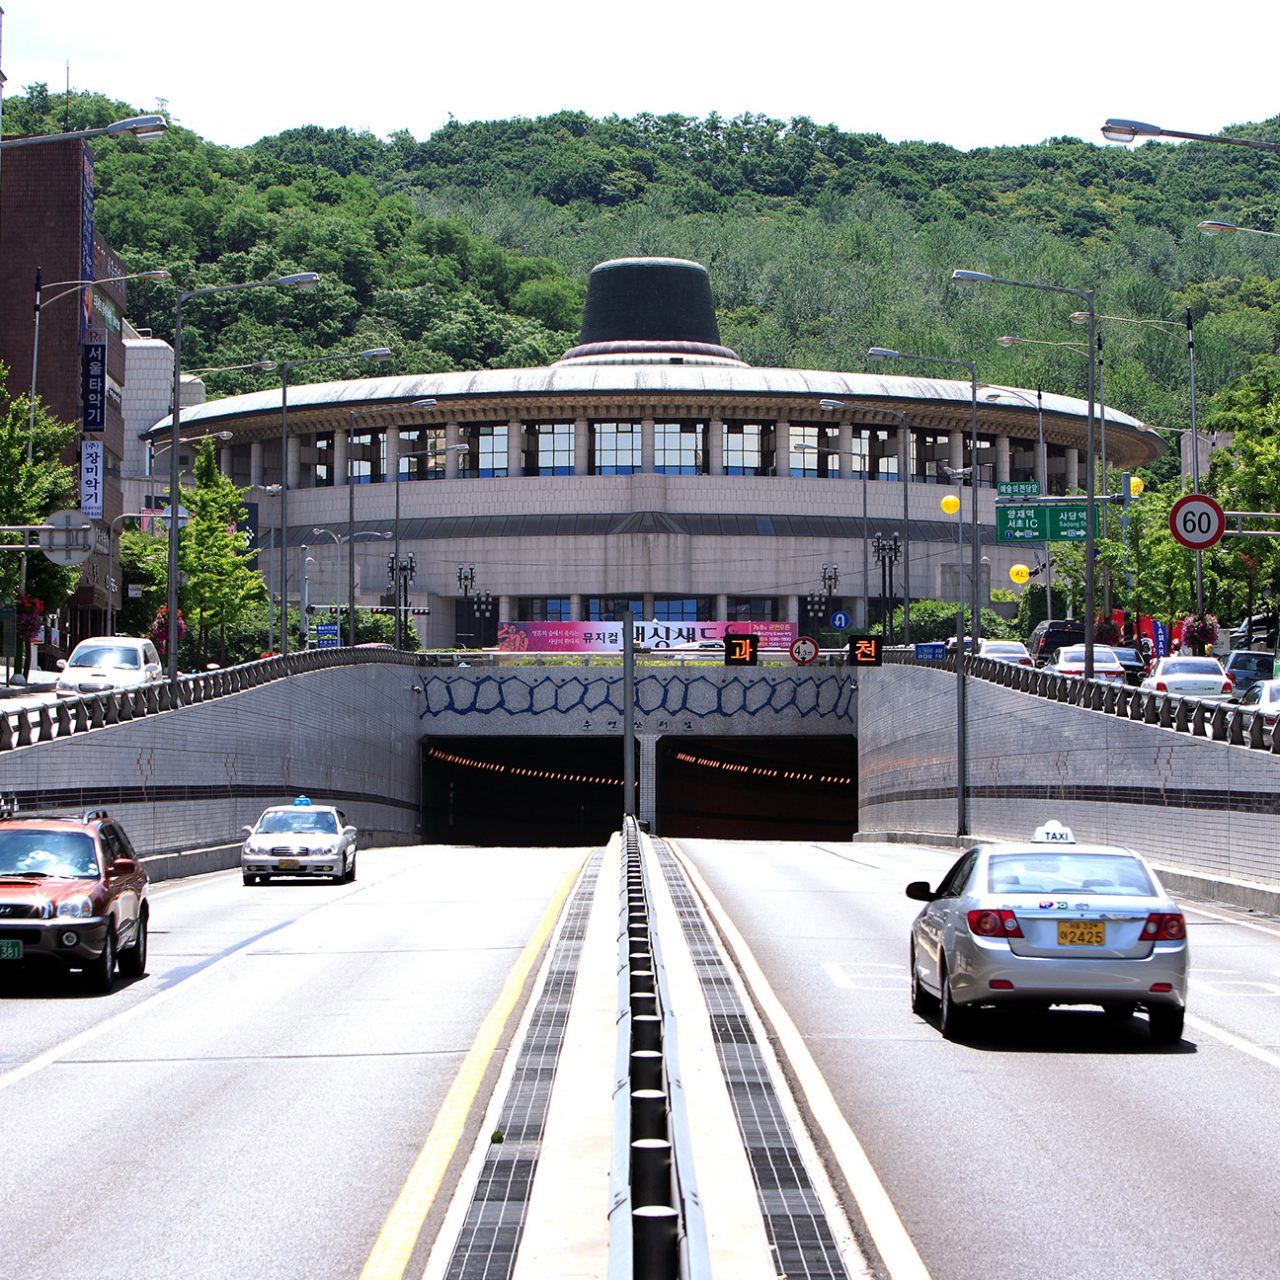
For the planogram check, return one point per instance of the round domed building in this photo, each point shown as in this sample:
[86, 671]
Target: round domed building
[648, 469]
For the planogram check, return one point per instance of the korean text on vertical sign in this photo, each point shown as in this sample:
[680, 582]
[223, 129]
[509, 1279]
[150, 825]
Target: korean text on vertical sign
[91, 478]
[866, 651]
[741, 651]
[93, 385]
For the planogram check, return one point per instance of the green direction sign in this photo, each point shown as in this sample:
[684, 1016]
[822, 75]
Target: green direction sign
[1018, 488]
[1059, 523]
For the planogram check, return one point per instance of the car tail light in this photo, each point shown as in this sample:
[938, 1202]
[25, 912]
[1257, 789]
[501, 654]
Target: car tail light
[1160, 988]
[1164, 927]
[1026, 662]
[995, 924]
[1161, 687]
[1227, 685]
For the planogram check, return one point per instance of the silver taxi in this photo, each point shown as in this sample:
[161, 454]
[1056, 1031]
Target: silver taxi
[299, 839]
[1045, 922]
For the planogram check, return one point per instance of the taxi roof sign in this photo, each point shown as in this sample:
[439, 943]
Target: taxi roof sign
[1053, 833]
[302, 800]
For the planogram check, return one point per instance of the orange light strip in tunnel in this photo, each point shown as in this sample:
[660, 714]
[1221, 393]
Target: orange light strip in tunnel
[514, 771]
[757, 771]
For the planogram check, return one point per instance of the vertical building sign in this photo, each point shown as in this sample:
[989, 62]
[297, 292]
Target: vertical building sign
[86, 239]
[93, 386]
[91, 478]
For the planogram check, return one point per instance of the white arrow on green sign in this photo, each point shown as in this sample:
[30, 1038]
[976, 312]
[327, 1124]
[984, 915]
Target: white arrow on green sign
[1063, 522]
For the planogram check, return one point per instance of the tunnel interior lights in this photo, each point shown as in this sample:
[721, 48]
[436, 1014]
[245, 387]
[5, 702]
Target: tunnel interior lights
[759, 771]
[517, 771]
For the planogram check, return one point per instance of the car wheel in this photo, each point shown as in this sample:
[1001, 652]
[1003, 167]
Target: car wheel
[1166, 1023]
[101, 974]
[248, 879]
[922, 1002]
[351, 875]
[954, 1019]
[133, 959]
[1118, 1013]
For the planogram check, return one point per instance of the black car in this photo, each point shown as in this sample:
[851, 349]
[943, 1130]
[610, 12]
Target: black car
[1133, 661]
[1053, 634]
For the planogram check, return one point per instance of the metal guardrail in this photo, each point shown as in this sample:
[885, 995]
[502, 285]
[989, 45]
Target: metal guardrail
[656, 1225]
[25, 726]
[1219, 721]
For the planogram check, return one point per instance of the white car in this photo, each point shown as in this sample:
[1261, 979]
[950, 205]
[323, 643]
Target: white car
[1048, 921]
[103, 663]
[1070, 662]
[1191, 677]
[1011, 651]
[1265, 698]
[299, 839]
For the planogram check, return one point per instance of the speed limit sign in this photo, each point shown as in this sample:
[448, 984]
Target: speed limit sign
[804, 650]
[1197, 521]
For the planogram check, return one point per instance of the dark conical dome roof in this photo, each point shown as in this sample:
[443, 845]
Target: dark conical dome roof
[650, 308]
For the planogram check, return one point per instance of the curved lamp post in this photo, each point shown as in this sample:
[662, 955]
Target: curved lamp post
[301, 280]
[887, 353]
[1131, 130]
[1086, 295]
[144, 128]
[349, 539]
[286, 368]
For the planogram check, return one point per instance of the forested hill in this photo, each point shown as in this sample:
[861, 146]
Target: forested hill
[471, 247]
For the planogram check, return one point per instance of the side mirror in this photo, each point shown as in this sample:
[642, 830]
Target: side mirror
[350, 831]
[248, 831]
[61, 664]
[920, 891]
[123, 867]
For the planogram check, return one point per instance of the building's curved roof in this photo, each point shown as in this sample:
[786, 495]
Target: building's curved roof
[676, 388]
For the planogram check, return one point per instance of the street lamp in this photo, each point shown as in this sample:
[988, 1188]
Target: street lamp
[1169, 326]
[993, 394]
[144, 128]
[1132, 130]
[887, 551]
[1219, 228]
[302, 280]
[286, 368]
[349, 540]
[887, 353]
[270, 491]
[1086, 295]
[951, 506]
[111, 566]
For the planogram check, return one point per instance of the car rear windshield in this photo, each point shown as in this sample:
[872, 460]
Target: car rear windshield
[1193, 667]
[1082, 873]
[296, 820]
[1258, 664]
[107, 655]
[1007, 646]
[37, 854]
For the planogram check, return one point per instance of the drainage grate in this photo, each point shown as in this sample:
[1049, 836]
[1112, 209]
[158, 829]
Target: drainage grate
[486, 1245]
[794, 1219]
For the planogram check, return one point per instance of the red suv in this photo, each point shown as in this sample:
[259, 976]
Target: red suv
[72, 892]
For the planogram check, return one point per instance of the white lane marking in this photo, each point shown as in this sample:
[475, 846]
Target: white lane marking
[1231, 982]
[865, 975]
[1234, 1041]
[1190, 909]
[897, 1250]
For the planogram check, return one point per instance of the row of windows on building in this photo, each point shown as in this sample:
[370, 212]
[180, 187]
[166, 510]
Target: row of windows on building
[616, 448]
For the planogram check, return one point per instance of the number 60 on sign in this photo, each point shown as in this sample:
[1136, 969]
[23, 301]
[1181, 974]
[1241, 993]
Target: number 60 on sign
[1197, 521]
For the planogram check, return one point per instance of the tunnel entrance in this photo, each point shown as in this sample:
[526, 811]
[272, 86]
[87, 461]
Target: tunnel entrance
[521, 791]
[758, 788]
[568, 791]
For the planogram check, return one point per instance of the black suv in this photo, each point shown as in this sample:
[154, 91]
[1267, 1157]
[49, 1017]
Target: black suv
[1050, 635]
[1246, 667]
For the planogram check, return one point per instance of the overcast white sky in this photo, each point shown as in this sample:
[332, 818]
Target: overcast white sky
[988, 72]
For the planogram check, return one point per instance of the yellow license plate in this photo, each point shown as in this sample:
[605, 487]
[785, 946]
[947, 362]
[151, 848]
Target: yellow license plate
[1082, 933]
[288, 864]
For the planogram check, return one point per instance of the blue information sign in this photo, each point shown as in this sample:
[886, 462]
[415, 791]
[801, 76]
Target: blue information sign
[840, 620]
[933, 652]
[326, 634]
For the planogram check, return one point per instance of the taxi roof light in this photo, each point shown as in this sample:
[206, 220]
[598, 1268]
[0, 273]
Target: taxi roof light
[1053, 833]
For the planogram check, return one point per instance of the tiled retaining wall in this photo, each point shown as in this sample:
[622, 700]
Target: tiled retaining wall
[1185, 801]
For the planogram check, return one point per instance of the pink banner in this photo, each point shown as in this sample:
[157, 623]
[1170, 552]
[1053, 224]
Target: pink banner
[606, 637]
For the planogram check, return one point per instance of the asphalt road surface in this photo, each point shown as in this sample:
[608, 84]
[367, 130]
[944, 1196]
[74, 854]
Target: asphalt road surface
[1051, 1145]
[253, 1105]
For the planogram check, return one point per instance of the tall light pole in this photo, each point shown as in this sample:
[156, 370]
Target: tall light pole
[887, 353]
[1086, 295]
[995, 393]
[904, 474]
[349, 540]
[301, 280]
[111, 566]
[270, 491]
[286, 368]
[1131, 130]
[951, 505]
[1172, 326]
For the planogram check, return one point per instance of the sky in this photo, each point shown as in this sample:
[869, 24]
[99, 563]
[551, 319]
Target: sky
[985, 73]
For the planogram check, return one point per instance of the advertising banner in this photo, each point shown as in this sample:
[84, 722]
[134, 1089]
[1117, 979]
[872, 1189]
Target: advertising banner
[606, 637]
[91, 478]
[93, 385]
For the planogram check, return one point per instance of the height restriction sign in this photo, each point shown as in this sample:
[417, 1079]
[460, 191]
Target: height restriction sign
[1197, 521]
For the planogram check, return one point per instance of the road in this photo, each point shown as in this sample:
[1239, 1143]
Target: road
[253, 1105]
[1052, 1145]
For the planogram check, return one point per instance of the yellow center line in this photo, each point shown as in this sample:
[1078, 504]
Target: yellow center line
[399, 1235]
